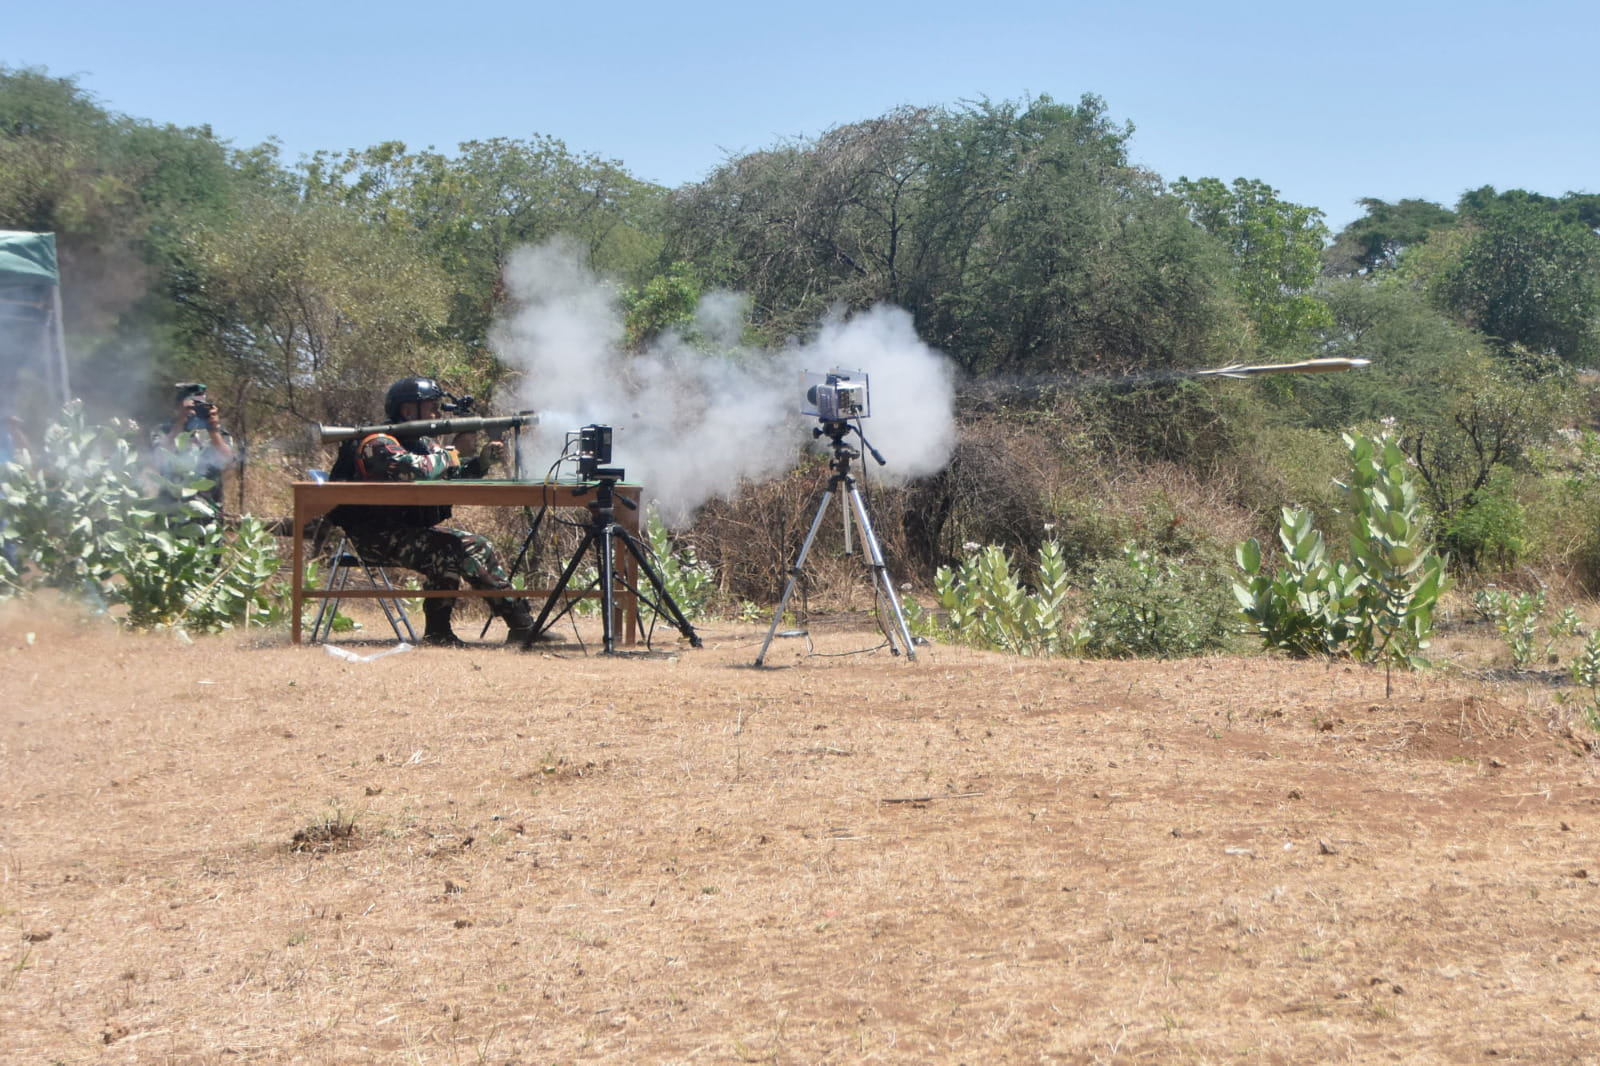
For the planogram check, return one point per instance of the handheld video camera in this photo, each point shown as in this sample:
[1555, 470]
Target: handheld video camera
[200, 413]
[837, 396]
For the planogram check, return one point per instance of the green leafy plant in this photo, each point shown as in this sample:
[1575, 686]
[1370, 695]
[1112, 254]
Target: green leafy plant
[279, 602]
[1492, 529]
[80, 516]
[1143, 604]
[1301, 608]
[1517, 620]
[1585, 671]
[1139, 604]
[1397, 577]
[1375, 607]
[687, 580]
[191, 576]
[986, 606]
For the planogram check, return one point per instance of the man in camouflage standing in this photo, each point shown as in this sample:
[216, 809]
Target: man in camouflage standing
[417, 538]
[193, 444]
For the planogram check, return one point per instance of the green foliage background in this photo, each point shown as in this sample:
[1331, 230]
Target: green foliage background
[1072, 287]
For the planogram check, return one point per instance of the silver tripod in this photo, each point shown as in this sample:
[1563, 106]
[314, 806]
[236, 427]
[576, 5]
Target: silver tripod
[894, 627]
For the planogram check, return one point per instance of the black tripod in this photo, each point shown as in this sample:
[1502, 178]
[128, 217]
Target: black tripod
[894, 627]
[601, 533]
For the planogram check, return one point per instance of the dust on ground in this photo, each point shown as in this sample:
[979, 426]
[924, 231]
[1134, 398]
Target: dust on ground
[236, 850]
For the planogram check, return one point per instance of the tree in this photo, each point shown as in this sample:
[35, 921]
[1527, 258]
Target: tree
[1018, 236]
[1489, 424]
[119, 194]
[1527, 276]
[1052, 253]
[1421, 359]
[806, 226]
[665, 302]
[471, 211]
[302, 310]
[1275, 246]
[1377, 239]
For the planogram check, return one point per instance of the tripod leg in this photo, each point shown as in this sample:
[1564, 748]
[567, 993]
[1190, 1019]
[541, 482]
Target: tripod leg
[794, 573]
[608, 591]
[664, 603]
[880, 575]
[844, 514]
[561, 586]
[522, 553]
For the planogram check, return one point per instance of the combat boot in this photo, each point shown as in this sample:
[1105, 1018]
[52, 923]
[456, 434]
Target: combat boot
[436, 630]
[520, 620]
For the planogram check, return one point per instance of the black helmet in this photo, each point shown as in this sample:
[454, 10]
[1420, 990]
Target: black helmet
[409, 390]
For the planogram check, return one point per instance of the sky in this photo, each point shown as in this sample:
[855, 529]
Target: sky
[1326, 103]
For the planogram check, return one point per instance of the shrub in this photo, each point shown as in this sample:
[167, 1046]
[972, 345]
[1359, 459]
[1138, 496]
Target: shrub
[1585, 671]
[687, 580]
[1517, 618]
[1491, 530]
[1140, 604]
[987, 607]
[79, 517]
[1378, 606]
[1301, 608]
[1148, 605]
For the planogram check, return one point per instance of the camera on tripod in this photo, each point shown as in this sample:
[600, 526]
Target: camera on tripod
[837, 396]
[593, 445]
[839, 400]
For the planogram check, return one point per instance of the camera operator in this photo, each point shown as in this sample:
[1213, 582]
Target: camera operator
[417, 538]
[193, 443]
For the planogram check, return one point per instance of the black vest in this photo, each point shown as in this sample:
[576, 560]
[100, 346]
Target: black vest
[358, 518]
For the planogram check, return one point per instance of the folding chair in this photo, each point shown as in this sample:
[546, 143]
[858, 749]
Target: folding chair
[346, 561]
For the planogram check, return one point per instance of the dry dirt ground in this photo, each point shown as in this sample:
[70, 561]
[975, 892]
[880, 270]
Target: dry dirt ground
[236, 850]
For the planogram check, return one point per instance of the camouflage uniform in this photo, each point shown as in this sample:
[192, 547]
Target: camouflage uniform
[416, 538]
[188, 455]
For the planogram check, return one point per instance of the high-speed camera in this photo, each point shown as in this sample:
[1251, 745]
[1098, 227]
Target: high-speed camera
[593, 446]
[837, 396]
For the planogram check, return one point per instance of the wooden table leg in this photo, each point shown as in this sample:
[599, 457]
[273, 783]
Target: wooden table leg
[298, 568]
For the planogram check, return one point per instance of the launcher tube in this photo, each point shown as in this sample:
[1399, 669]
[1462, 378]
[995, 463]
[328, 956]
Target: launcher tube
[426, 427]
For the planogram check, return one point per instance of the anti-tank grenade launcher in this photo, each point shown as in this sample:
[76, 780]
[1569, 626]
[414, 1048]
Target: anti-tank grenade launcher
[434, 427]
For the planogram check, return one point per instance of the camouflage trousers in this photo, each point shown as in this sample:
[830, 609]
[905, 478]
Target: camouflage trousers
[443, 556]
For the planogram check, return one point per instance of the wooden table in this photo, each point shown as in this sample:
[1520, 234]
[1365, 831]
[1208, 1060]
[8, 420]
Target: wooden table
[313, 498]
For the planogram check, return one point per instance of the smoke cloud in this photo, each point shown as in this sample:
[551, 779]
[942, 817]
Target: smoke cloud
[691, 423]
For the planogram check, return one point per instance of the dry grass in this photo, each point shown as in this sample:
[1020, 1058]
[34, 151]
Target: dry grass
[238, 850]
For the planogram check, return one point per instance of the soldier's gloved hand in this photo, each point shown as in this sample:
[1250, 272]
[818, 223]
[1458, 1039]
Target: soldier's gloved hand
[493, 452]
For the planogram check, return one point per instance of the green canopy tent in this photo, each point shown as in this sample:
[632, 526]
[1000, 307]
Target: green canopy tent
[33, 355]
